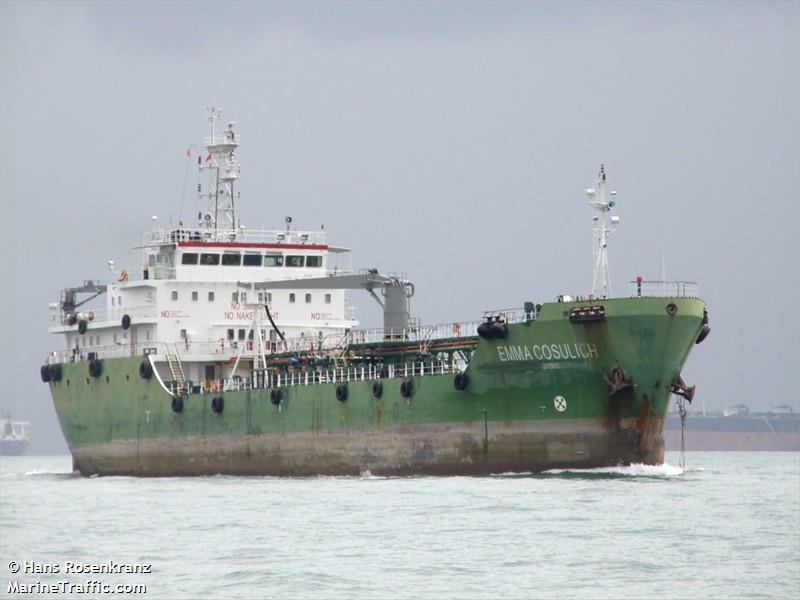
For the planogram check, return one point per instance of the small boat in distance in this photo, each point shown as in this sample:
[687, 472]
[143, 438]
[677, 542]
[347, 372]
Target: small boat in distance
[14, 437]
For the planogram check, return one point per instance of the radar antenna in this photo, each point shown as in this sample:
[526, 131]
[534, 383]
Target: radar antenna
[603, 226]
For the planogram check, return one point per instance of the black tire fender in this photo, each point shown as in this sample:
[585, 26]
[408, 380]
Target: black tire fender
[45, 373]
[275, 396]
[55, 372]
[177, 404]
[407, 388]
[341, 392]
[145, 369]
[377, 389]
[126, 321]
[460, 381]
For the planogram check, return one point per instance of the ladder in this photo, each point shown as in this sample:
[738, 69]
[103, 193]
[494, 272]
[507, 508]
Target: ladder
[176, 370]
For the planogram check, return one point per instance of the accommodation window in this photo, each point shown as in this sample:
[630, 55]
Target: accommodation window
[327, 298]
[174, 294]
[295, 261]
[241, 334]
[194, 296]
[252, 260]
[209, 259]
[291, 297]
[313, 261]
[147, 334]
[273, 260]
[230, 334]
[183, 334]
[113, 301]
[231, 259]
[189, 258]
[234, 296]
[119, 300]
[269, 297]
[308, 298]
[210, 296]
[115, 338]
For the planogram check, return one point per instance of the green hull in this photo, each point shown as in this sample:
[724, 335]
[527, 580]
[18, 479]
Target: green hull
[536, 400]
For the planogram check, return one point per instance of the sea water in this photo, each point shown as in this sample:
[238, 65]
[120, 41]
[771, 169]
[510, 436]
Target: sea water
[728, 526]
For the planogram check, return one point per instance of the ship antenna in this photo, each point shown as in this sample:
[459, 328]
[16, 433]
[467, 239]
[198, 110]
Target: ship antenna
[602, 228]
[222, 170]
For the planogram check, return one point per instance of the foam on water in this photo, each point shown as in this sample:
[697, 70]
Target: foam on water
[635, 470]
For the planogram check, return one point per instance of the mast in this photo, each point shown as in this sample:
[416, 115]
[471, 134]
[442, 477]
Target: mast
[603, 226]
[221, 170]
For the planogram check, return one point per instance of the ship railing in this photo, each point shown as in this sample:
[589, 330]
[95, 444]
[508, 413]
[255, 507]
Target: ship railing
[267, 379]
[664, 289]
[57, 317]
[207, 234]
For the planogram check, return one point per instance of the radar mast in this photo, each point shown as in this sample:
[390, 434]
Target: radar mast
[603, 226]
[221, 170]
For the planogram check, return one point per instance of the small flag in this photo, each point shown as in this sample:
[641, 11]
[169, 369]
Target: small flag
[189, 152]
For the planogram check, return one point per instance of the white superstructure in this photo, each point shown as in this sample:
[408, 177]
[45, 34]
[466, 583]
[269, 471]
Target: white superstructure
[184, 304]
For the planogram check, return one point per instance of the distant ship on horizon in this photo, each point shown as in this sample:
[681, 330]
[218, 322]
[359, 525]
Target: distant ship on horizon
[14, 437]
[736, 429]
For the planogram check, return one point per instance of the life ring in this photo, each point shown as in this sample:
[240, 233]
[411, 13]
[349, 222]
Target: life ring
[45, 373]
[341, 393]
[126, 321]
[377, 389]
[82, 326]
[407, 388]
[55, 372]
[275, 396]
[177, 404]
[672, 309]
[145, 369]
[217, 405]
[460, 381]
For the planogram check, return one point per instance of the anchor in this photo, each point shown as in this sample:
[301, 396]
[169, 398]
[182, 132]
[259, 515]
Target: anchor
[679, 388]
[617, 381]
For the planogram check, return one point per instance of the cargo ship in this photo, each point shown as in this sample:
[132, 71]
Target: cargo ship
[14, 438]
[736, 429]
[235, 351]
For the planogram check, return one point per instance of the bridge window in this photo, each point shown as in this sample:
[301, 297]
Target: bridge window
[230, 334]
[194, 296]
[241, 334]
[327, 298]
[273, 260]
[174, 294]
[252, 260]
[189, 258]
[291, 297]
[209, 259]
[313, 261]
[210, 296]
[231, 259]
[295, 261]
[308, 298]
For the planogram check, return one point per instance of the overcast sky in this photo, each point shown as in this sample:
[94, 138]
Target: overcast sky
[450, 141]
